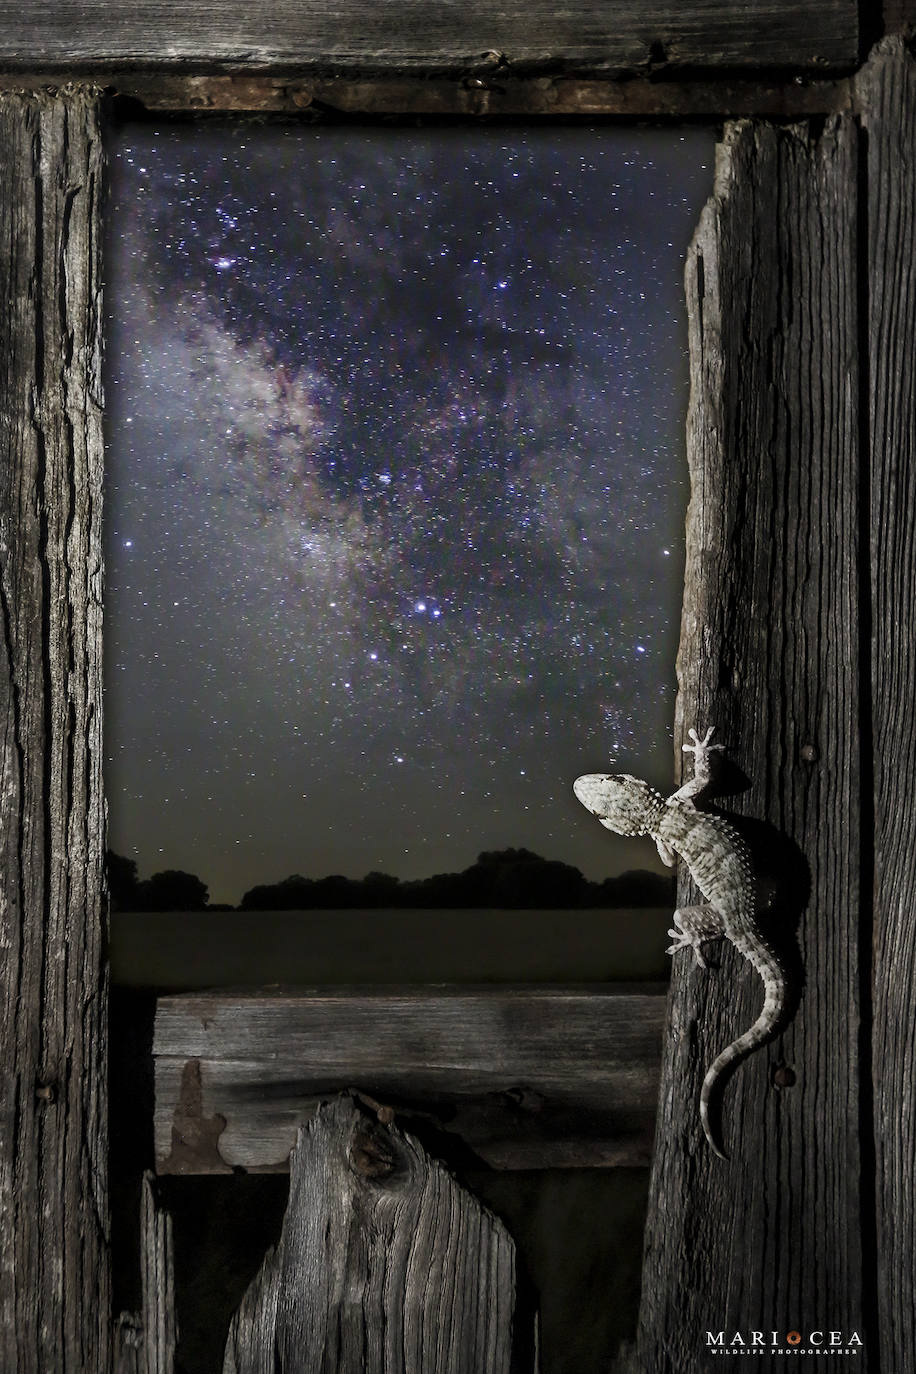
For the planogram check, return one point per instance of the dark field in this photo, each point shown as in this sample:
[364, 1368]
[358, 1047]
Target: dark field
[182, 950]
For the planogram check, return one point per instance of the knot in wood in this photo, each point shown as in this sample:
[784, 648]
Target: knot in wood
[527, 1099]
[372, 1154]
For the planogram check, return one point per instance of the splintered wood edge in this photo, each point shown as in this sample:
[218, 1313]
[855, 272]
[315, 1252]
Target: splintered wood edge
[375, 1224]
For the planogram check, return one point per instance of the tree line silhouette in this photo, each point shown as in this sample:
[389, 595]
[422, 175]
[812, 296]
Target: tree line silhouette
[515, 878]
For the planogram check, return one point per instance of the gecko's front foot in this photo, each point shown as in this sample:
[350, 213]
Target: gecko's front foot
[701, 747]
[702, 767]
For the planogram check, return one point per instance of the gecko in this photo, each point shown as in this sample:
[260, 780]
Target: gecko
[719, 863]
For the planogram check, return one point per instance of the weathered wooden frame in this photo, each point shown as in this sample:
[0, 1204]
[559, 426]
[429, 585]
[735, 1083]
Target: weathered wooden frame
[802, 310]
[525, 1077]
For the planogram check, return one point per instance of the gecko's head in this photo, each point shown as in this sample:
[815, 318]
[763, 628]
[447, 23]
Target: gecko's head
[624, 804]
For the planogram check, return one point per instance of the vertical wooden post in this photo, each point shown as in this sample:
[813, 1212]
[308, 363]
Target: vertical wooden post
[771, 1240]
[157, 1276]
[887, 88]
[54, 1288]
[385, 1266]
[146, 1341]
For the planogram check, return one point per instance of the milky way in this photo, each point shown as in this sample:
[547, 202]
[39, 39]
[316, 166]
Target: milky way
[395, 493]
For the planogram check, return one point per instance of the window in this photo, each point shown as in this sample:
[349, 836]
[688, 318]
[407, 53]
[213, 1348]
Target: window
[395, 491]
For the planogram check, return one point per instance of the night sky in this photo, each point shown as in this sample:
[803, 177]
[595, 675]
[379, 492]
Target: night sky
[396, 491]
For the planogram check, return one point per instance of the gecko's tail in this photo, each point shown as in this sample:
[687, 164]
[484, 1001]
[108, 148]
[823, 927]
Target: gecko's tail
[769, 1023]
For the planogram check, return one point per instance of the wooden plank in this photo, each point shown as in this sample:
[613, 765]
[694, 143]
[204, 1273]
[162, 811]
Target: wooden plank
[888, 91]
[384, 1265]
[403, 34]
[145, 1342]
[526, 1078]
[157, 1278]
[770, 653]
[486, 95]
[54, 1283]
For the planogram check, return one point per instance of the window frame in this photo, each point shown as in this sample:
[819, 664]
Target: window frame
[55, 1033]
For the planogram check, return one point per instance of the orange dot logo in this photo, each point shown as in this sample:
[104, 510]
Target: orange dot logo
[794, 1338]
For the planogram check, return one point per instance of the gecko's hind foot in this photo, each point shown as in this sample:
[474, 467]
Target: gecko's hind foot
[682, 941]
[693, 927]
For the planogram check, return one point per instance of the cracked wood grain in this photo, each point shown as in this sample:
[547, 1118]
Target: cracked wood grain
[546, 1077]
[157, 1277]
[404, 35]
[888, 91]
[385, 1265]
[54, 1312]
[769, 654]
[146, 1341]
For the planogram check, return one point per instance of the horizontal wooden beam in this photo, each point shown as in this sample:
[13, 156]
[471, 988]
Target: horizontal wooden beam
[485, 95]
[402, 35]
[519, 1077]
